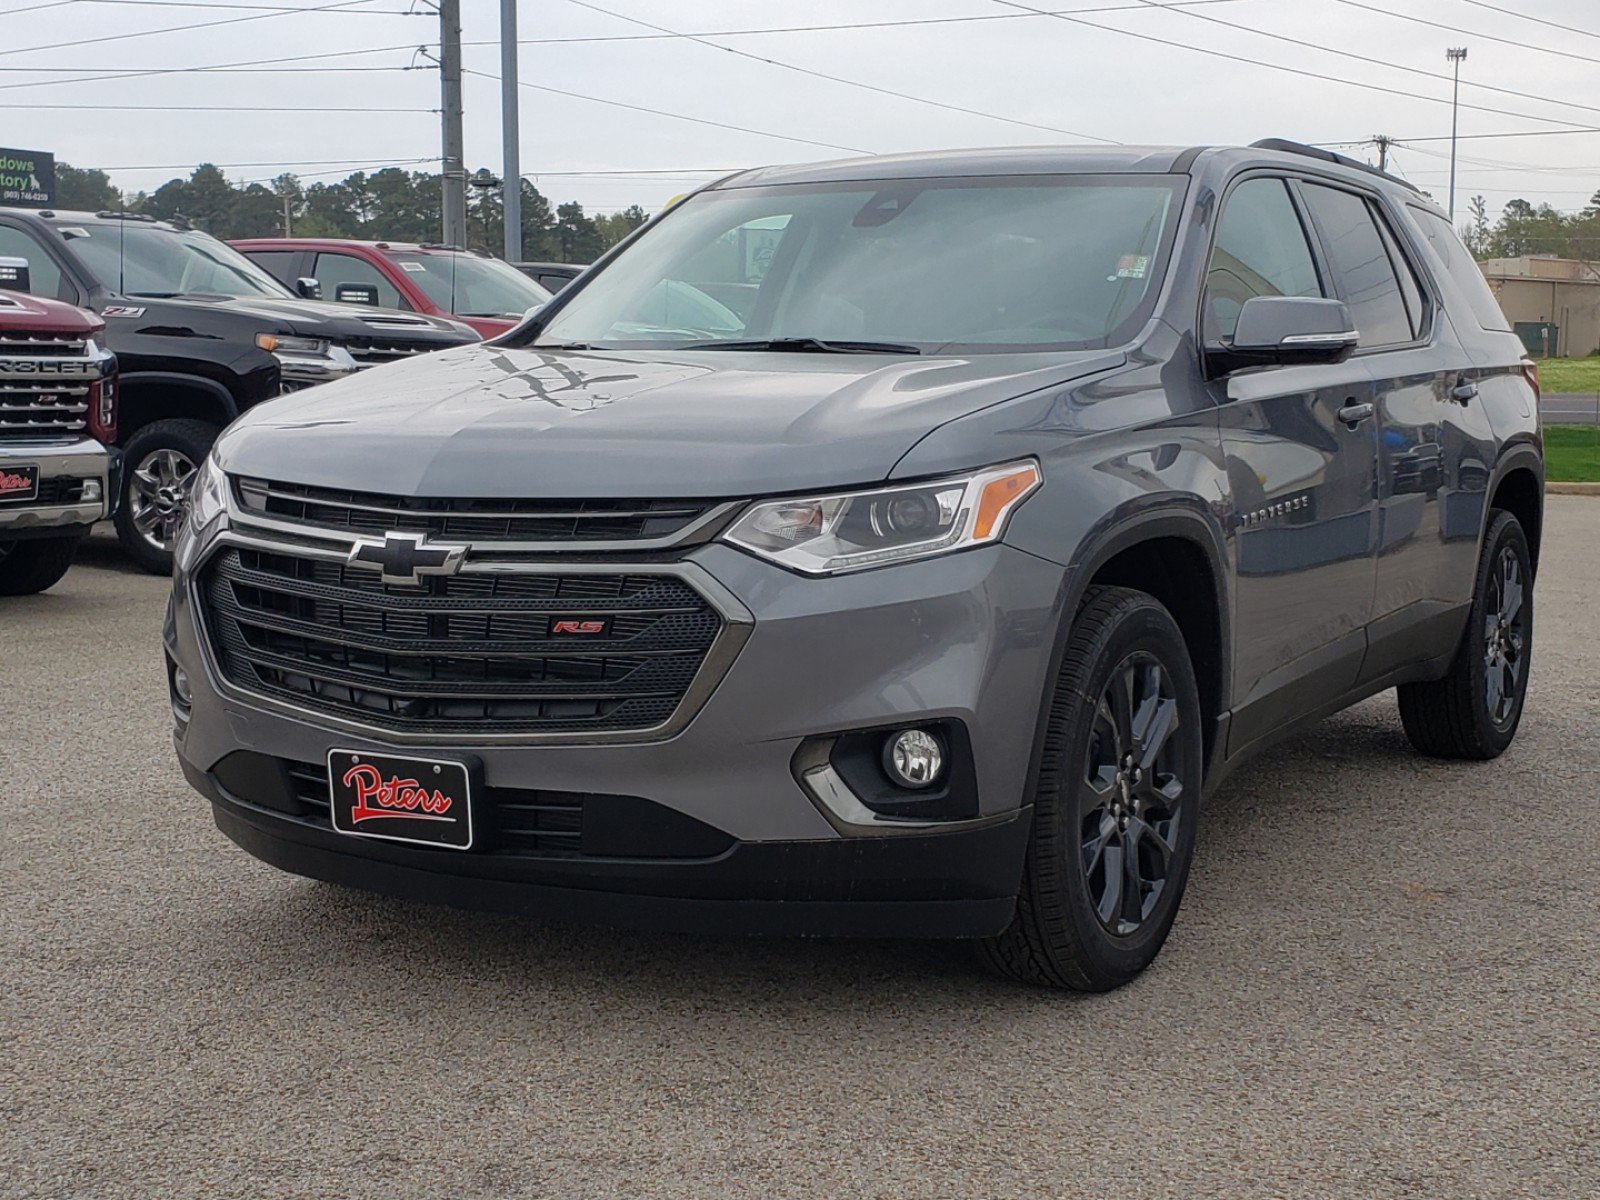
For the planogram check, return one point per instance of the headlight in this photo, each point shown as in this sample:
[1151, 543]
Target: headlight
[277, 343]
[849, 531]
[207, 498]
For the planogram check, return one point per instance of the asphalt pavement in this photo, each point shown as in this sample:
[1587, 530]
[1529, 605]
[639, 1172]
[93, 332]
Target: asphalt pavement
[1385, 982]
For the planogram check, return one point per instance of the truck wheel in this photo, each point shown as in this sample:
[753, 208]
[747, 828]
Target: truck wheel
[160, 459]
[1473, 712]
[32, 566]
[1115, 803]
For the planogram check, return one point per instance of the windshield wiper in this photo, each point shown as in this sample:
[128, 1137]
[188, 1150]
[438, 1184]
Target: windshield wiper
[808, 345]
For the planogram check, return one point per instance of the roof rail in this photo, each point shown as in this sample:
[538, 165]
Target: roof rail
[1285, 146]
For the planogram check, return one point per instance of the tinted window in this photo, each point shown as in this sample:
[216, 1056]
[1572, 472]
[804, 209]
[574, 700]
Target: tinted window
[965, 265]
[334, 269]
[1462, 269]
[1261, 250]
[1363, 275]
[44, 277]
[1410, 290]
[279, 263]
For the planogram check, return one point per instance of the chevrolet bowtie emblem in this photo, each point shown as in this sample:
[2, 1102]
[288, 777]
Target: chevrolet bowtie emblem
[404, 558]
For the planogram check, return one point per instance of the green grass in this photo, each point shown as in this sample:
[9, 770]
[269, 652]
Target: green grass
[1572, 453]
[1569, 374]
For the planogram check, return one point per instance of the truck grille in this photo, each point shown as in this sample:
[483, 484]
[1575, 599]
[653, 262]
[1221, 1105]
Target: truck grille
[372, 353]
[16, 343]
[42, 409]
[475, 653]
[488, 520]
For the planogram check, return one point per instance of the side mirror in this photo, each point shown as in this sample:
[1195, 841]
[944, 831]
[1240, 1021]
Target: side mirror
[14, 275]
[1281, 331]
[356, 293]
[308, 288]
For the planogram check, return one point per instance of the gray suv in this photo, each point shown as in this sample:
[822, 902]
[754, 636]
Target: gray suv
[890, 547]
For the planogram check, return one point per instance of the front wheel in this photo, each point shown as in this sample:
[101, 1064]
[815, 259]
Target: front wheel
[1474, 711]
[1115, 802]
[30, 567]
[161, 460]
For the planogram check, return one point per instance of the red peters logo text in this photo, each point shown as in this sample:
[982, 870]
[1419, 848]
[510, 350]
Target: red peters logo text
[10, 482]
[393, 797]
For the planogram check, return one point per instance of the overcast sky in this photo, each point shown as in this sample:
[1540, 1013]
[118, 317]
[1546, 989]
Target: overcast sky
[1077, 79]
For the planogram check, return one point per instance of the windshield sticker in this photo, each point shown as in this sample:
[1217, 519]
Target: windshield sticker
[122, 310]
[413, 267]
[1132, 266]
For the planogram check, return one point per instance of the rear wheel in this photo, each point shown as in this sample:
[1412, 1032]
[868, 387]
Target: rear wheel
[1115, 805]
[32, 566]
[161, 460]
[1474, 711]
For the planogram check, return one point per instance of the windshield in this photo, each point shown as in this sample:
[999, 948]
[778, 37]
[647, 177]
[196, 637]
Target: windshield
[469, 286]
[964, 265]
[144, 260]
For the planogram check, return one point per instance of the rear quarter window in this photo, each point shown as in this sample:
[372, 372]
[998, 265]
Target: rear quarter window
[1460, 267]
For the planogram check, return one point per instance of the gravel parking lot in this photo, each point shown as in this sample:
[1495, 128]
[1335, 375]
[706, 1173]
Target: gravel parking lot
[1385, 982]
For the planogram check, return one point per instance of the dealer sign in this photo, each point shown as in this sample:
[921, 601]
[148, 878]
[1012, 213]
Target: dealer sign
[27, 177]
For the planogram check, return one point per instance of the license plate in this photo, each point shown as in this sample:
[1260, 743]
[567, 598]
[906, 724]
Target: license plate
[18, 483]
[425, 801]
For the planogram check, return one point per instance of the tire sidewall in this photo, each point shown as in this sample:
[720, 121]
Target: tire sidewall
[193, 439]
[1505, 531]
[1146, 627]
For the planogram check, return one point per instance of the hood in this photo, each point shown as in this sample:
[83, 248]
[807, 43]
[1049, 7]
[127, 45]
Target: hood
[227, 316]
[493, 421]
[23, 312]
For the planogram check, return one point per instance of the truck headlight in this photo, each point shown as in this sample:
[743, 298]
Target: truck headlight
[850, 531]
[278, 343]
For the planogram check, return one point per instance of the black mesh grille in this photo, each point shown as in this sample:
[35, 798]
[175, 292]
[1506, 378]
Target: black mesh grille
[461, 654]
[474, 520]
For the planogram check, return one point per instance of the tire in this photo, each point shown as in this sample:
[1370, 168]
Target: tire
[159, 460]
[1474, 711]
[1121, 639]
[27, 568]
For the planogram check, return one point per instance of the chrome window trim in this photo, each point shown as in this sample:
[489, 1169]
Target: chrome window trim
[737, 625]
[239, 515]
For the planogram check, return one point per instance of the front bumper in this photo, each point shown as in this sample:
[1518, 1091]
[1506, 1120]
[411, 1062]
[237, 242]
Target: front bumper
[77, 487]
[963, 639]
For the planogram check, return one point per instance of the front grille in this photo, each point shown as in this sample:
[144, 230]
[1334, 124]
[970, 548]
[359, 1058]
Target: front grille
[465, 654]
[16, 343]
[42, 409]
[372, 353]
[477, 520]
[541, 824]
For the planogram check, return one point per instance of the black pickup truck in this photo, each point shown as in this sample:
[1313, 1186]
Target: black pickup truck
[202, 334]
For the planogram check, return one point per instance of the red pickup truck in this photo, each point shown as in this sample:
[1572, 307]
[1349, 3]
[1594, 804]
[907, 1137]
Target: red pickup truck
[489, 295]
[58, 415]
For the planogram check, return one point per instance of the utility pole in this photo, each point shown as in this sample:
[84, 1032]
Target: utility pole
[1383, 141]
[287, 231]
[511, 190]
[1456, 57]
[454, 168]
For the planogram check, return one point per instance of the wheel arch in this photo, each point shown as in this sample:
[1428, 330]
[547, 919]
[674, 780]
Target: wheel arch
[150, 396]
[1518, 488]
[1175, 552]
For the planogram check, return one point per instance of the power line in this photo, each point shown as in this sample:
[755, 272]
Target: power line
[1529, 17]
[105, 78]
[1271, 66]
[882, 91]
[1467, 33]
[1380, 62]
[273, 8]
[538, 87]
[271, 108]
[311, 162]
[122, 37]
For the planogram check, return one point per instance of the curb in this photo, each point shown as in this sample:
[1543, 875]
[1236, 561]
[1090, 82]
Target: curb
[1572, 489]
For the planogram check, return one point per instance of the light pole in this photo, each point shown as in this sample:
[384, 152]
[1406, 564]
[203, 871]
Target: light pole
[1456, 58]
[511, 198]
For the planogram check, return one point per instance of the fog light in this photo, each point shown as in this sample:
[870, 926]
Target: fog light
[91, 491]
[914, 758]
[180, 687]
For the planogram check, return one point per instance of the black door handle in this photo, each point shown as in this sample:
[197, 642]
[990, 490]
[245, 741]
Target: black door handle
[1352, 414]
[1466, 390]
